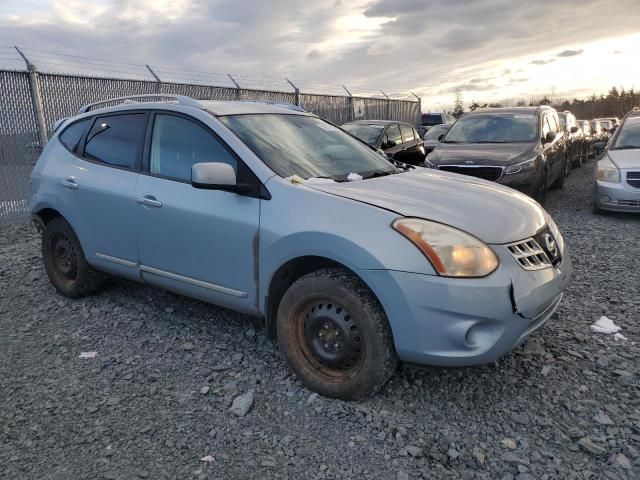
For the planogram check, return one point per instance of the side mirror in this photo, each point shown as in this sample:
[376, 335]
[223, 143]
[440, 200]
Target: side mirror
[213, 176]
[550, 137]
[390, 144]
[574, 129]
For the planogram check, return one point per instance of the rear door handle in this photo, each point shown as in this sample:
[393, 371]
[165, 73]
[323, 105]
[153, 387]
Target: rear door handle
[70, 183]
[149, 201]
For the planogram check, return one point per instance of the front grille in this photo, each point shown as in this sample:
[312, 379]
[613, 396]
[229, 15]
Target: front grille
[633, 179]
[486, 173]
[529, 254]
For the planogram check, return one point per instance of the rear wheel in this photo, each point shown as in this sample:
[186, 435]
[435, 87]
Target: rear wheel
[540, 190]
[65, 263]
[335, 335]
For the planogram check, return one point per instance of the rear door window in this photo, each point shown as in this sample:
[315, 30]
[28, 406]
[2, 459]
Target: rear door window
[117, 140]
[71, 135]
[407, 133]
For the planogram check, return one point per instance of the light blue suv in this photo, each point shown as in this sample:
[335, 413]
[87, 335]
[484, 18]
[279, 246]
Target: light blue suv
[356, 262]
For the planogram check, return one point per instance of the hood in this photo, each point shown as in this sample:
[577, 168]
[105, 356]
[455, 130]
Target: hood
[489, 211]
[482, 153]
[625, 159]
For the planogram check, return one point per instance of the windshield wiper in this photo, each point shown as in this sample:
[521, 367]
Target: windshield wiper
[626, 147]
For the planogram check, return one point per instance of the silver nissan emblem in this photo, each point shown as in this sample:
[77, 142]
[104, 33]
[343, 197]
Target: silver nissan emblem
[550, 244]
[468, 162]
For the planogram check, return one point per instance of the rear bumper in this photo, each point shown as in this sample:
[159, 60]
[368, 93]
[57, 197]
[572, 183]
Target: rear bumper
[616, 197]
[461, 322]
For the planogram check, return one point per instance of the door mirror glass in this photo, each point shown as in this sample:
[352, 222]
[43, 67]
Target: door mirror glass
[213, 176]
[599, 147]
[550, 137]
[574, 129]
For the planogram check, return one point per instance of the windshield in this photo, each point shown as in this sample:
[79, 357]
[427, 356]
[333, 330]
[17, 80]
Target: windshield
[431, 119]
[494, 128]
[367, 133]
[433, 133]
[629, 136]
[305, 146]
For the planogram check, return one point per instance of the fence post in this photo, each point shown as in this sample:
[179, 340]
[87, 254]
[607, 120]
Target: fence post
[352, 114]
[388, 105]
[419, 115]
[156, 77]
[36, 100]
[238, 90]
[296, 92]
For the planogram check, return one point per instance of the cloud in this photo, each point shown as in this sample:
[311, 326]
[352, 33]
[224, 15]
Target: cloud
[394, 45]
[543, 62]
[570, 53]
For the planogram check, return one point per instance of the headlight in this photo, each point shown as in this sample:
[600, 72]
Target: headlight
[521, 167]
[452, 252]
[607, 172]
[555, 231]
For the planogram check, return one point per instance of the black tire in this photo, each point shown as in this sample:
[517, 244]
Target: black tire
[559, 182]
[65, 262]
[540, 190]
[312, 310]
[597, 210]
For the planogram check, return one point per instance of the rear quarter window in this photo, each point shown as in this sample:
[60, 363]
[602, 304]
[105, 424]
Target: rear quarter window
[70, 136]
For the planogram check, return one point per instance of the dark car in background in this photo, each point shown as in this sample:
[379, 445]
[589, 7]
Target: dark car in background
[398, 140]
[573, 136]
[431, 119]
[523, 148]
[433, 136]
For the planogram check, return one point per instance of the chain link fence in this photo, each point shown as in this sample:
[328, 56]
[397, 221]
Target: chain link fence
[31, 102]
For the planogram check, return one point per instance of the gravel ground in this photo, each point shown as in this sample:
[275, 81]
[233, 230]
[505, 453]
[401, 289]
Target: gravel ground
[156, 399]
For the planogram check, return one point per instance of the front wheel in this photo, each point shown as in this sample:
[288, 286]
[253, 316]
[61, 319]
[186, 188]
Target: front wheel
[540, 190]
[564, 173]
[335, 335]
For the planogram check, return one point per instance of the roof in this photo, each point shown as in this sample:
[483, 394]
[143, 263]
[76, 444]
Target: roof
[511, 110]
[224, 107]
[375, 122]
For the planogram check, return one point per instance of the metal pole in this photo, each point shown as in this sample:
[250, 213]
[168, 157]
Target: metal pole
[388, 105]
[36, 100]
[296, 92]
[419, 115]
[351, 114]
[238, 91]
[156, 77]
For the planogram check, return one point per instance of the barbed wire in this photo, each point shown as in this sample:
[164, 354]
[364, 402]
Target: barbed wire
[65, 63]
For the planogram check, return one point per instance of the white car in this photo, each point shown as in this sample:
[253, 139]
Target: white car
[617, 182]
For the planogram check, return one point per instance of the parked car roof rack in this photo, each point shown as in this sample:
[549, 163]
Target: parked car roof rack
[181, 99]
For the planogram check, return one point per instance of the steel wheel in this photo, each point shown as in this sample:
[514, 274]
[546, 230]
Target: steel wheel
[64, 255]
[330, 340]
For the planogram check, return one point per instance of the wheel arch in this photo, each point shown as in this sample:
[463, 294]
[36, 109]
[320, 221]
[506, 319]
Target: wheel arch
[291, 271]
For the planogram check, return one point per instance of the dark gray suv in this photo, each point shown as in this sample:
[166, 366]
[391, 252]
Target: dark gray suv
[523, 148]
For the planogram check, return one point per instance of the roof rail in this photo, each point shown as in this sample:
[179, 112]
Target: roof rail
[181, 99]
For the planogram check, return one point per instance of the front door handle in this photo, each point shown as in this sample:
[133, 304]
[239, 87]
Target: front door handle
[149, 201]
[70, 183]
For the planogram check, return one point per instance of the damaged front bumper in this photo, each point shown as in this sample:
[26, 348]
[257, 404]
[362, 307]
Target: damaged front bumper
[453, 322]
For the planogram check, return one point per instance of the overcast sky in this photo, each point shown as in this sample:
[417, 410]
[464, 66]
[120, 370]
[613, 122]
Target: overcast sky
[492, 49]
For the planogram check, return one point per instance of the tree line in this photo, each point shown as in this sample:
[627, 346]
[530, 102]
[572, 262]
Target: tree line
[616, 103]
